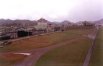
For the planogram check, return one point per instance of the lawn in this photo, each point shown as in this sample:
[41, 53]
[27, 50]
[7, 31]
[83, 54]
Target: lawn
[43, 41]
[97, 56]
[72, 54]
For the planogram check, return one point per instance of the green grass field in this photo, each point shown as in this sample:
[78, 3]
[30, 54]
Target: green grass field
[97, 56]
[78, 48]
[72, 54]
[43, 41]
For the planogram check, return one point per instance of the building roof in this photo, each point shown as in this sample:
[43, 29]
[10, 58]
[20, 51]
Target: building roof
[42, 20]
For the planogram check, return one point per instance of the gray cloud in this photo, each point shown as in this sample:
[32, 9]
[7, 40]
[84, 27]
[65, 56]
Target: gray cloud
[53, 10]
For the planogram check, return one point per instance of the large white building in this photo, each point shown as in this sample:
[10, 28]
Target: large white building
[42, 24]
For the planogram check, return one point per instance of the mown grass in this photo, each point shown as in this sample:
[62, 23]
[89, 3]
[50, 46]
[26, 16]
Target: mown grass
[97, 56]
[43, 41]
[72, 54]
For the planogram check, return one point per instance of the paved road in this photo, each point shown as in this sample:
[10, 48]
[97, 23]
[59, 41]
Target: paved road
[88, 56]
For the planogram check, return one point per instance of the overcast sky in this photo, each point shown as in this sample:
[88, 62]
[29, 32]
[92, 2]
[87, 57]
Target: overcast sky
[53, 10]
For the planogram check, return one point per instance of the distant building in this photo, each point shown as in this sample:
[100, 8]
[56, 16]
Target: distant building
[42, 24]
[65, 25]
[79, 23]
[8, 31]
[50, 27]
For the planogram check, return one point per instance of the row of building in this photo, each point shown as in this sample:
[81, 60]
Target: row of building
[40, 26]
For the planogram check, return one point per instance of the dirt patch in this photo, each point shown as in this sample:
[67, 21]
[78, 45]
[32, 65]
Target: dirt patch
[12, 58]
